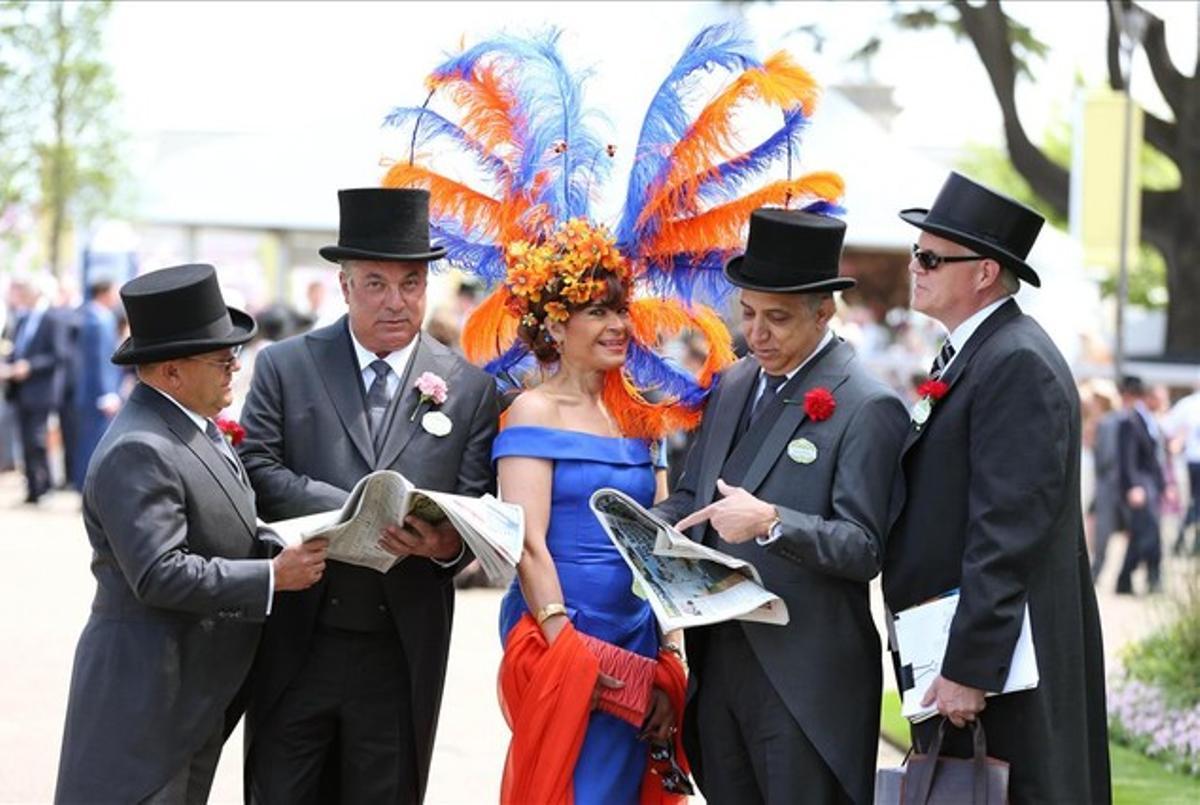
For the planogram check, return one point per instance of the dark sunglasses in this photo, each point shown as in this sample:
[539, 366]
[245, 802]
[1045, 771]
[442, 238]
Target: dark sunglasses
[674, 781]
[931, 260]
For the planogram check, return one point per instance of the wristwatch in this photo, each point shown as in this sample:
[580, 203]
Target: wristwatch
[774, 531]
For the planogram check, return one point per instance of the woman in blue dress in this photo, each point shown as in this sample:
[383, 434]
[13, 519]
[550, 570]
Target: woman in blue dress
[559, 444]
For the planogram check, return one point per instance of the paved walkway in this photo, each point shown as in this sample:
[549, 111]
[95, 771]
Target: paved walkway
[44, 601]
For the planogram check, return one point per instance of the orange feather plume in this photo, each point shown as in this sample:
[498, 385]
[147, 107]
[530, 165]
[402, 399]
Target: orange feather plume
[721, 227]
[489, 108]
[637, 417]
[490, 329]
[712, 138]
[653, 318]
[478, 212]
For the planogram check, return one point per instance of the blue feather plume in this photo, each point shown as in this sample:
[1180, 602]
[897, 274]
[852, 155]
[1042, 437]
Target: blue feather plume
[666, 121]
[485, 260]
[652, 373]
[732, 175]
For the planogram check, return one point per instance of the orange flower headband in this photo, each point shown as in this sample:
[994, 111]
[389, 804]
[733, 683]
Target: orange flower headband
[564, 264]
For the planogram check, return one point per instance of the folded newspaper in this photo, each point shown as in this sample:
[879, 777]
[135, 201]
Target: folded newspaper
[921, 634]
[493, 530]
[687, 584]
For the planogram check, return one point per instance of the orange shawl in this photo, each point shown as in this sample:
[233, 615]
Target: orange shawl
[545, 695]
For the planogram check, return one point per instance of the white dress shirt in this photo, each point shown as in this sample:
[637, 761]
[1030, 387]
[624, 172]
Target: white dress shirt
[961, 334]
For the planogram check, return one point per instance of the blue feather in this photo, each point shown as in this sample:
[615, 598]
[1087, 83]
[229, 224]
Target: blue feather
[823, 207]
[511, 368]
[549, 100]
[690, 277]
[666, 120]
[431, 125]
[484, 260]
[732, 175]
[652, 373]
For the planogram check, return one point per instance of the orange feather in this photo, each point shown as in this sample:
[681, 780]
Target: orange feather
[638, 418]
[478, 212]
[721, 227]
[652, 318]
[489, 109]
[490, 329]
[712, 137]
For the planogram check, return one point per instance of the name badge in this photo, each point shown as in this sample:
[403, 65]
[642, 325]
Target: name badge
[802, 451]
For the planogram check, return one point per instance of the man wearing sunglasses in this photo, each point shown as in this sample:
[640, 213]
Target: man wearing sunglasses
[987, 503]
[183, 578]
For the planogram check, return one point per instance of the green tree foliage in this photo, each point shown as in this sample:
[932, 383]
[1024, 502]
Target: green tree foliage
[59, 142]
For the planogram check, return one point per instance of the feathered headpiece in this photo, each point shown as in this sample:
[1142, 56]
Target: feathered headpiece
[523, 123]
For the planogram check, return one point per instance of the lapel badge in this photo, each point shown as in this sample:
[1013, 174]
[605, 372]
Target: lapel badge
[802, 451]
[921, 411]
[436, 423]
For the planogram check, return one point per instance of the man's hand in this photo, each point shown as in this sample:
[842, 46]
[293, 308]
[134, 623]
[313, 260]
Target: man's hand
[299, 567]
[737, 517]
[418, 538]
[1136, 497]
[18, 371]
[956, 702]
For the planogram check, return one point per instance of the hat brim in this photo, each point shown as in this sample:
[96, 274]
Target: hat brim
[917, 217]
[130, 354]
[336, 254]
[733, 273]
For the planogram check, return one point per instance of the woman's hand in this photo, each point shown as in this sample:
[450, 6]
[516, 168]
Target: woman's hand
[604, 681]
[660, 721]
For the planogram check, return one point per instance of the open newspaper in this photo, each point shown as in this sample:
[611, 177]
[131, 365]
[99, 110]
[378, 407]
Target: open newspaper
[493, 530]
[687, 584]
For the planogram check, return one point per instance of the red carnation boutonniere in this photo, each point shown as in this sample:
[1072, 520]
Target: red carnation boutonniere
[819, 404]
[232, 431]
[930, 392]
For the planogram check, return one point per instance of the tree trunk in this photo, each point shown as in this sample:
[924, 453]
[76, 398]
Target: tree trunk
[58, 150]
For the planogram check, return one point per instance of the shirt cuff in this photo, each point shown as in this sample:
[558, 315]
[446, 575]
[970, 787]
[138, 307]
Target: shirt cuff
[270, 584]
[105, 400]
[462, 549]
[775, 533]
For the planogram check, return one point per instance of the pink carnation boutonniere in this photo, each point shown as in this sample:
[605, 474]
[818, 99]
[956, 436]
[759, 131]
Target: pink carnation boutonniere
[433, 390]
[819, 404]
[930, 392]
[231, 430]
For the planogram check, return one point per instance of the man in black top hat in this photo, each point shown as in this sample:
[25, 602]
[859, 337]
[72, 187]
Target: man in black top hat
[348, 685]
[183, 582]
[791, 470]
[988, 503]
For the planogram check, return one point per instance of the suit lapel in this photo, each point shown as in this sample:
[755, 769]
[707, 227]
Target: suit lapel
[427, 357]
[1001, 316]
[830, 372]
[338, 369]
[736, 388]
[195, 441]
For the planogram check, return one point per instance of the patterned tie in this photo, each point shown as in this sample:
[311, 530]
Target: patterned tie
[943, 357]
[768, 394]
[377, 400]
[215, 436]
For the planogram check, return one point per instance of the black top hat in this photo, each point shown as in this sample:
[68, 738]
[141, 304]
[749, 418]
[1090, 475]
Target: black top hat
[176, 312]
[383, 223]
[790, 251]
[993, 225]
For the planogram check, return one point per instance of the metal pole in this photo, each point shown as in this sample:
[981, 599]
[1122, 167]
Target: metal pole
[1128, 41]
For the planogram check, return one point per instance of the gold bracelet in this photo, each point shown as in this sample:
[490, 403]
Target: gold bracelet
[549, 611]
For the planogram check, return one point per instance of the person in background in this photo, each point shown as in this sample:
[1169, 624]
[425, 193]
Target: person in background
[98, 379]
[36, 373]
[1143, 488]
[1183, 423]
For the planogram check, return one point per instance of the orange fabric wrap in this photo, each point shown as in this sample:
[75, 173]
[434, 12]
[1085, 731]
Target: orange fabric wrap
[546, 696]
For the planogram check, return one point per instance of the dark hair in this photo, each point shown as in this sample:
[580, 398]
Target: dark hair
[98, 287]
[535, 335]
[1132, 386]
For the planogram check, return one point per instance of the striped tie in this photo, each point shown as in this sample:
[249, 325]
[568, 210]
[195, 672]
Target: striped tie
[943, 357]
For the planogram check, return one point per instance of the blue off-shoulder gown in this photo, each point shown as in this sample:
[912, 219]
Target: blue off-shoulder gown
[596, 583]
